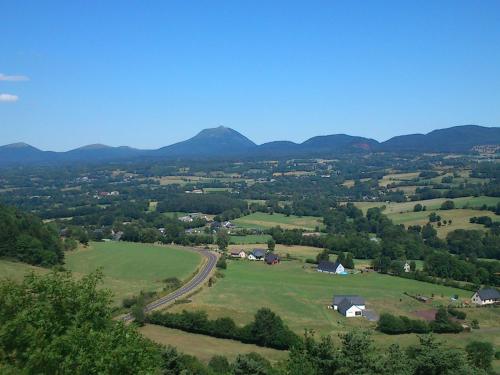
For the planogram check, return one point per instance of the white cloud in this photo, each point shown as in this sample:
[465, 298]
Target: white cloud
[13, 78]
[8, 98]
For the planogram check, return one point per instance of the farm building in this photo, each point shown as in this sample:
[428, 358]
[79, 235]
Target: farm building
[238, 254]
[348, 305]
[330, 267]
[486, 296]
[271, 258]
[257, 254]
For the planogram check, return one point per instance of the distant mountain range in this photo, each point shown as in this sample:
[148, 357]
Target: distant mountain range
[222, 142]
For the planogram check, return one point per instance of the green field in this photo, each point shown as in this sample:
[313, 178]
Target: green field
[217, 189]
[402, 213]
[17, 270]
[131, 267]
[301, 295]
[264, 220]
[205, 347]
[250, 239]
[459, 217]
[430, 204]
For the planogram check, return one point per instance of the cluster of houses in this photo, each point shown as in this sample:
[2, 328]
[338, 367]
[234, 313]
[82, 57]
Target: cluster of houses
[214, 225]
[354, 306]
[256, 254]
[189, 218]
[337, 268]
[102, 194]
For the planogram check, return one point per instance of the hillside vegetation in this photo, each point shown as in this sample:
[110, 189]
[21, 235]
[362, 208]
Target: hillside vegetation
[26, 238]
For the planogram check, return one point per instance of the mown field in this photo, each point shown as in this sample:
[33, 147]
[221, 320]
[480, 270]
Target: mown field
[17, 270]
[301, 295]
[250, 239]
[131, 267]
[430, 204]
[397, 177]
[466, 207]
[264, 220]
[205, 347]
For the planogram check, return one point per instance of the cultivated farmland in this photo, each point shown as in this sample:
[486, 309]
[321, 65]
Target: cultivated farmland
[264, 220]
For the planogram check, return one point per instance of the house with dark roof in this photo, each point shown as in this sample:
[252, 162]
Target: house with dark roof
[271, 258]
[238, 253]
[330, 267]
[349, 305]
[487, 296]
[257, 254]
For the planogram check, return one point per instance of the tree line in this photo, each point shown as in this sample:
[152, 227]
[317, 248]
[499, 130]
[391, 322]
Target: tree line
[267, 328]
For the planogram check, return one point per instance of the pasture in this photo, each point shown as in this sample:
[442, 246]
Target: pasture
[131, 267]
[397, 177]
[205, 347]
[466, 207]
[300, 295]
[17, 270]
[459, 217]
[430, 204]
[261, 220]
[250, 239]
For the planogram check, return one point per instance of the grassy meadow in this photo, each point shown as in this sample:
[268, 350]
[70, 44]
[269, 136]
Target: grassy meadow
[430, 204]
[131, 267]
[206, 347]
[466, 207]
[261, 220]
[250, 239]
[17, 270]
[301, 295]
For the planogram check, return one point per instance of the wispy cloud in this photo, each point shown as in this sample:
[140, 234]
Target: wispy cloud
[13, 78]
[8, 98]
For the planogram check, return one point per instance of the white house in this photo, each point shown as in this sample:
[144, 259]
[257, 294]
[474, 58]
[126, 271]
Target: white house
[257, 254]
[406, 267]
[238, 254]
[487, 296]
[329, 267]
[349, 306]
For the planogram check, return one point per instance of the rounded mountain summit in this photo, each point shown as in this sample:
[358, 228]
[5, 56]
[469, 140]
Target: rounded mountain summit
[214, 142]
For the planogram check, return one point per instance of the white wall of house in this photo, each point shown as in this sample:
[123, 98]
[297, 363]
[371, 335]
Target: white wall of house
[251, 257]
[361, 307]
[340, 269]
[478, 301]
[353, 312]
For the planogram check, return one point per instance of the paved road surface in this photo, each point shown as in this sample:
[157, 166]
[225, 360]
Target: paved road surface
[187, 288]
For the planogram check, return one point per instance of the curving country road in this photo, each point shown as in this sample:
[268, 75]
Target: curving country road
[187, 288]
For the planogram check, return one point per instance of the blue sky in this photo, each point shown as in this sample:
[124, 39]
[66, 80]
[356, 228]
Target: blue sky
[148, 74]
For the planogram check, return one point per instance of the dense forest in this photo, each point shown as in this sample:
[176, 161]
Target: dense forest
[26, 238]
